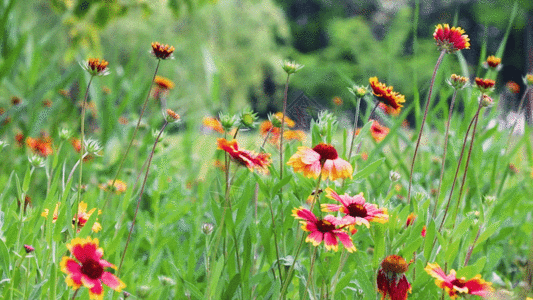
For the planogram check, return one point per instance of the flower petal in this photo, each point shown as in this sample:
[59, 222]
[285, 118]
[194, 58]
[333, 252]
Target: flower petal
[112, 281]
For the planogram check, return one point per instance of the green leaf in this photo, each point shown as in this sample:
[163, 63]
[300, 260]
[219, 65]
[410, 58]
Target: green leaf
[281, 184]
[232, 287]
[371, 168]
[215, 276]
[4, 256]
[430, 237]
[26, 182]
[472, 270]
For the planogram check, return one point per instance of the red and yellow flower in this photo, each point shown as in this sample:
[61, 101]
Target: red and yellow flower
[493, 62]
[485, 85]
[162, 51]
[410, 219]
[356, 209]
[83, 216]
[391, 281]
[54, 216]
[118, 188]
[321, 159]
[213, 123]
[455, 286]
[513, 87]
[451, 39]
[389, 110]
[249, 159]
[386, 95]
[96, 67]
[327, 229]
[88, 268]
[378, 131]
[41, 146]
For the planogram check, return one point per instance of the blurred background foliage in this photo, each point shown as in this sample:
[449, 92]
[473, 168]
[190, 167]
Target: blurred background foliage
[228, 52]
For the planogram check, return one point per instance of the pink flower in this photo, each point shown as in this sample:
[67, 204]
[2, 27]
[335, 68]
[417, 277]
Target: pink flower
[246, 158]
[322, 159]
[454, 286]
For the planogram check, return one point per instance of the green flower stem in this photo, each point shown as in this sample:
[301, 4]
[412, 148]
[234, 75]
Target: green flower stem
[335, 279]
[437, 65]
[82, 146]
[358, 102]
[373, 110]
[140, 196]
[281, 144]
[471, 248]
[134, 133]
[310, 277]
[446, 135]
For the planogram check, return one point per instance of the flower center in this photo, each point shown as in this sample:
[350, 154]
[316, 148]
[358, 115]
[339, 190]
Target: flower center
[458, 283]
[324, 226]
[395, 264]
[92, 269]
[326, 152]
[357, 210]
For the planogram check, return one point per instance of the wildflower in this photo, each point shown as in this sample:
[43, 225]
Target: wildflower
[267, 127]
[528, 80]
[291, 67]
[54, 216]
[83, 216]
[378, 131]
[294, 135]
[486, 101]
[455, 286]
[106, 90]
[337, 101]
[394, 176]
[171, 116]
[88, 269]
[410, 219]
[322, 159]
[389, 110]
[450, 39]
[207, 228]
[36, 161]
[391, 281]
[41, 146]
[227, 121]
[246, 158]
[65, 133]
[513, 87]
[356, 209]
[29, 248]
[327, 229]
[162, 51]
[95, 67]
[118, 188]
[247, 119]
[457, 82]
[493, 63]
[364, 156]
[386, 95]
[485, 85]
[15, 100]
[278, 117]
[164, 83]
[213, 123]
[47, 103]
[423, 232]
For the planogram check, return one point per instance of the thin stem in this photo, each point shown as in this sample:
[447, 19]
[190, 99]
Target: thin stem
[74, 169]
[82, 146]
[275, 240]
[310, 277]
[281, 144]
[75, 294]
[471, 248]
[373, 110]
[439, 60]
[444, 154]
[358, 102]
[134, 133]
[335, 279]
[140, 195]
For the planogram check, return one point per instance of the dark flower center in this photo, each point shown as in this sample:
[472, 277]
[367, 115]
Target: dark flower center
[324, 226]
[92, 269]
[357, 210]
[395, 264]
[458, 283]
[326, 152]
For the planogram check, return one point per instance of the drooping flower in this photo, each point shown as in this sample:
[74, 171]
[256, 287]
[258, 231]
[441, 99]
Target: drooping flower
[95, 67]
[88, 269]
[249, 159]
[41, 146]
[493, 63]
[455, 286]
[327, 229]
[162, 51]
[485, 85]
[378, 131]
[386, 95]
[450, 39]
[322, 159]
[513, 87]
[213, 123]
[391, 281]
[356, 209]
[83, 216]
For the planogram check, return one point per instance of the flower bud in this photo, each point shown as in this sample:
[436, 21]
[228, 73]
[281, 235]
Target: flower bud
[358, 91]
[65, 134]
[92, 147]
[247, 119]
[207, 228]
[171, 116]
[486, 101]
[291, 67]
[528, 80]
[457, 82]
[394, 176]
[36, 161]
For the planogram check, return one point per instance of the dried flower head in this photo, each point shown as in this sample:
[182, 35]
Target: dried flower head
[162, 51]
[457, 82]
[291, 67]
[95, 67]
[386, 95]
[450, 39]
[15, 100]
[485, 85]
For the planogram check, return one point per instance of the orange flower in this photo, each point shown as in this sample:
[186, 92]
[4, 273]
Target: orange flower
[410, 219]
[95, 67]
[164, 83]
[386, 95]
[455, 286]
[246, 158]
[513, 87]
[391, 281]
[213, 124]
[450, 39]
[493, 62]
[485, 85]
[337, 101]
[41, 146]
[378, 131]
[288, 122]
[19, 137]
[389, 110]
[322, 159]
[118, 188]
[294, 135]
[162, 51]
[47, 103]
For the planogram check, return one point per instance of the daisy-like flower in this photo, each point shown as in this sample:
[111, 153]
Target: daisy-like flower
[278, 117]
[485, 85]
[162, 51]
[294, 135]
[163, 83]
[95, 67]
[513, 87]
[322, 159]
[83, 216]
[386, 95]
[88, 269]
[54, 218]
[493, 63]
[356, 209]
[118, 188]
[389, 110]
[213, 123]
[455, 286]
[378, 131]
[41, 146]
[392, 283]
[327, 229]
[249, 159]
[451, 39]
